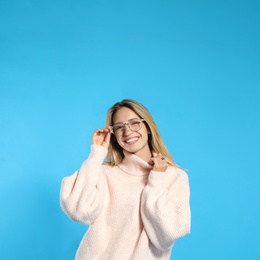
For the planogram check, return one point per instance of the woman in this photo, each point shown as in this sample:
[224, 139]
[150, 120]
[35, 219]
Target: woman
[129, 191]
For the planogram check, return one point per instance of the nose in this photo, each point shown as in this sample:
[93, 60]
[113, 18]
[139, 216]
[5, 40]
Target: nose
[127, 129]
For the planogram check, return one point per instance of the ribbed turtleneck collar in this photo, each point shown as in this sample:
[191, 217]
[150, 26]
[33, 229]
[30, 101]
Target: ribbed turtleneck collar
[134, 165]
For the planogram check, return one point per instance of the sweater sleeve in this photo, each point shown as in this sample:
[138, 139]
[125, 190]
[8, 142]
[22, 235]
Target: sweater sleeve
[166, 208]
[80, 198]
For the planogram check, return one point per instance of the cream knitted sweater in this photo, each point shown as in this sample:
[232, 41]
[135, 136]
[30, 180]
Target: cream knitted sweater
[134, 213]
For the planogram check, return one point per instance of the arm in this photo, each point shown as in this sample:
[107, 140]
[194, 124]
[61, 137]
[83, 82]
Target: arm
[79, 195]
[165, 207]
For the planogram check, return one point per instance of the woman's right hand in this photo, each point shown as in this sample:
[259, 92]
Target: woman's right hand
[102, 137]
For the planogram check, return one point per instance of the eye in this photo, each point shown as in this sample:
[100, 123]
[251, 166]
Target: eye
[135, 122]
[119, 127]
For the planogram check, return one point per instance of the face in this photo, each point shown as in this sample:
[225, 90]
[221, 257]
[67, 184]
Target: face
[132, 141]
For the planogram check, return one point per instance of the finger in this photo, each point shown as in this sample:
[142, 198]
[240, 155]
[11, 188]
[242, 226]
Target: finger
[151, 162]
[108, 135]
[100, 131]
[158, 158]
[157, 155]
[160, 163]
[161, 156]
[97, 132]
[154, 154]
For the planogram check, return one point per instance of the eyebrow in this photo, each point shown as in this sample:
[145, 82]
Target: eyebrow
[126, 121]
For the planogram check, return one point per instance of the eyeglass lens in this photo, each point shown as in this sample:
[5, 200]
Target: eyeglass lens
[133, 124]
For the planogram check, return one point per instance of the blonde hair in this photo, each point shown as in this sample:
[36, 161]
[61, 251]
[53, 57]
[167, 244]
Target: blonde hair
[115, 151]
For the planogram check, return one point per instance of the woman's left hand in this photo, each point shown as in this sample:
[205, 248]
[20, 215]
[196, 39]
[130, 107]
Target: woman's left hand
[159, 163]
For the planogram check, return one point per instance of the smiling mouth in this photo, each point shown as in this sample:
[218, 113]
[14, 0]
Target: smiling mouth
[131, 140]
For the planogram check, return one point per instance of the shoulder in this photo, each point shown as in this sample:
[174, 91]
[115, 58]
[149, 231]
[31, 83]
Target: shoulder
[176, 174]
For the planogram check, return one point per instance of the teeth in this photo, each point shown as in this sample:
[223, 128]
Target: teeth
[131, 140]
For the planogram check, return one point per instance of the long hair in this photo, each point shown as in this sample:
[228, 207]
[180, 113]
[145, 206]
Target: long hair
[115, 151]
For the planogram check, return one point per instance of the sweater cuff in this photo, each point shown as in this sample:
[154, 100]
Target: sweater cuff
[156, 179]
[97, 153]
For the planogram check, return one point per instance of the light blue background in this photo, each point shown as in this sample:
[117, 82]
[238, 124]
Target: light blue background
[194, 64]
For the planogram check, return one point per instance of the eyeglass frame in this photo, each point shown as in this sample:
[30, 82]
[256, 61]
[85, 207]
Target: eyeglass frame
[127, 123]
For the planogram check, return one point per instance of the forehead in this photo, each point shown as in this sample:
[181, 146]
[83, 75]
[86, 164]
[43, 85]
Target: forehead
[123, 114]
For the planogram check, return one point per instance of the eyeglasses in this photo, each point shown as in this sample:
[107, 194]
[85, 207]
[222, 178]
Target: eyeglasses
[134, 125]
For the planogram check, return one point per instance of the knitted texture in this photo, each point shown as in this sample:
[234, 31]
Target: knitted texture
[133, 212]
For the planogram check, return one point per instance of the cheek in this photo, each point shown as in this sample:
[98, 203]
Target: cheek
[144, 134]
[145, 138]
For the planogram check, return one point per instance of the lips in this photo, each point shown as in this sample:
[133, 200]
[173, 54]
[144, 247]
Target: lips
[131, 140]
